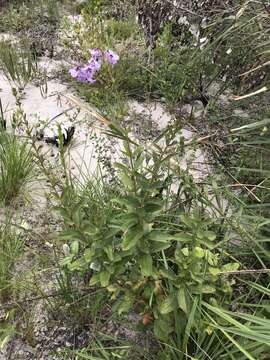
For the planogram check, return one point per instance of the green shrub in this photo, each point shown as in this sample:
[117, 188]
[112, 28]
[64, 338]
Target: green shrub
[151, 260]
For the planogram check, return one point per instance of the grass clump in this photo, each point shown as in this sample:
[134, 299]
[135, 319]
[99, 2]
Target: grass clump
[18, 65]
[16, 167]
[11, 246]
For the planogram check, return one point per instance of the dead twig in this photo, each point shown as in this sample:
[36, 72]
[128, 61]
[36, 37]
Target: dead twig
[243, 272]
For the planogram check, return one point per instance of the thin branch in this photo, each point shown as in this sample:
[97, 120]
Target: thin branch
[243, 272]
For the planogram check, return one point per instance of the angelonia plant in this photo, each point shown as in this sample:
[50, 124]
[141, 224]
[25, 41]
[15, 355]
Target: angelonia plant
[156, 263]
[87, 73]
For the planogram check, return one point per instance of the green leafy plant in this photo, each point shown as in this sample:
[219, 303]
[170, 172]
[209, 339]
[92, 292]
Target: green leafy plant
[157, 267]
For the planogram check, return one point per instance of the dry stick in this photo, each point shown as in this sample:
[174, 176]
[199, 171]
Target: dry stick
[255, 68]
[243, 272]
[253, 187]
[259, 185]
[77, 102]
[199, 140]
[61, 113]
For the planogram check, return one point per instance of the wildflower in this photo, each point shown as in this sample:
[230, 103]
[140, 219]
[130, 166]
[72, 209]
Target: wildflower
[74, 71]
[86, 73]
[111, 57]
[96, 53]
[95, 64]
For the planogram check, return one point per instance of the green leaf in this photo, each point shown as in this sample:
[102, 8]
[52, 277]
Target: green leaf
[211, 258]
[183, 237]
[120, 166]
[5, 340]
[95, 279]
[167, 305]
[191, 321]
[77, 217]
[159, 246]
[198, 252]
[88, 255]
[66, 261]
[131, 238]
[75, 265]
[153, 206]
[159, 236]
[104, 277]
[185, 251]
[230, 267]
[182, 301]
[109, 251]
[146, 264]
[214, 271]
[126, 180]
[163, 328]
[210, 235]
[69, 235]
[168, 274]
[147, 227]
[207, 289]
[129, 201]
[125, 304]
[74, 248]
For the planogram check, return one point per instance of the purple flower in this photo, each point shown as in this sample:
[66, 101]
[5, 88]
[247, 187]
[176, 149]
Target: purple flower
[95, 64]
[111, 57]
[83, 73]
[74, 71]
[96, 53]
[86, 73]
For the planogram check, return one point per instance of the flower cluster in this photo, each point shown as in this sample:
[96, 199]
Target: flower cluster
[86, 73]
